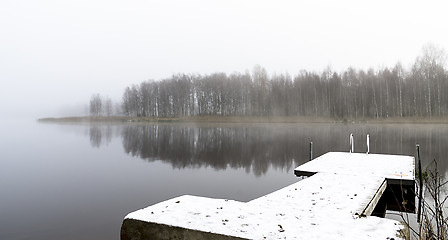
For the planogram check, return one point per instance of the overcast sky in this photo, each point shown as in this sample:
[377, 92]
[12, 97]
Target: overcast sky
[55, 54]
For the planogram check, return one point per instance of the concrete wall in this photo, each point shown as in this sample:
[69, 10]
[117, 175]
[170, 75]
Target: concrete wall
[139, 230]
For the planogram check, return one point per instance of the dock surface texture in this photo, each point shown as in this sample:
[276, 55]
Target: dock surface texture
[334, 203]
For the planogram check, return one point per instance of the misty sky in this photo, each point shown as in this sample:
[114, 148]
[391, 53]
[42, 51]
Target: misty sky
[55, 54]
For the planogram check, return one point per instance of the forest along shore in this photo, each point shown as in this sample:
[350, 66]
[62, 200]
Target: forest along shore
[245, 119]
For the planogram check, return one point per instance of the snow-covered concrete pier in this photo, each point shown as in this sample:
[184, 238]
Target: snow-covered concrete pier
[398, 190]
[339, 200]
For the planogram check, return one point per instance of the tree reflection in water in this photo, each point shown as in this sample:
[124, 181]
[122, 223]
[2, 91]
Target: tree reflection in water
[259, 147]
[255, 149]
[100, 135]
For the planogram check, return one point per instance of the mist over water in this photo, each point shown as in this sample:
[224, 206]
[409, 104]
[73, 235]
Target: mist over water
[78, 181]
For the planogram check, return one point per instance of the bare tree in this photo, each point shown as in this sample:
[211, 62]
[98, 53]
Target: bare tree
[430, 69]
[108, 106]
[96, 105]
[432, 222]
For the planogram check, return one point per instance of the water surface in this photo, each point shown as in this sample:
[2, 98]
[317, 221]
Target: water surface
[78, 181]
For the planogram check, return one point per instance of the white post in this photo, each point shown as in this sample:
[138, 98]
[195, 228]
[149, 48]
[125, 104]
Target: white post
[368, 144]
[352, 143]
[311, 151]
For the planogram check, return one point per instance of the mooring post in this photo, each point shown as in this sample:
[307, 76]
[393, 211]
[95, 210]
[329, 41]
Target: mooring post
[352, 143]
[420, 189]
[368, 144]
[311, 151]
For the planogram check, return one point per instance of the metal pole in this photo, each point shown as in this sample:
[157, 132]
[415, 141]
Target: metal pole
[311, 151]
[352, 143]
[420, 190]
[368, 144]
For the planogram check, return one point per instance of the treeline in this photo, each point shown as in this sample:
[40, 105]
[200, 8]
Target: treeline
[421, 91]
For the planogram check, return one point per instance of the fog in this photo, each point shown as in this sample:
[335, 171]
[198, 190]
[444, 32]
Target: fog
[55, 54]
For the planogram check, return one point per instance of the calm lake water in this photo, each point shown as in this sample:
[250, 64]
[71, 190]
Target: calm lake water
[78, 181]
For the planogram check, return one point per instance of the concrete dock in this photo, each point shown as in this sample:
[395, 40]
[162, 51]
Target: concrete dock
[341, 199]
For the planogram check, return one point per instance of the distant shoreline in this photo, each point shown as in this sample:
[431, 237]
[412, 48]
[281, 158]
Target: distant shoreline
[242, 119]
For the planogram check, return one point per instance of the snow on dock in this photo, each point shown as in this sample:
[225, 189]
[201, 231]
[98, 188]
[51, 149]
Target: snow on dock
[396, 167]
[397, 170]
[336, 202]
